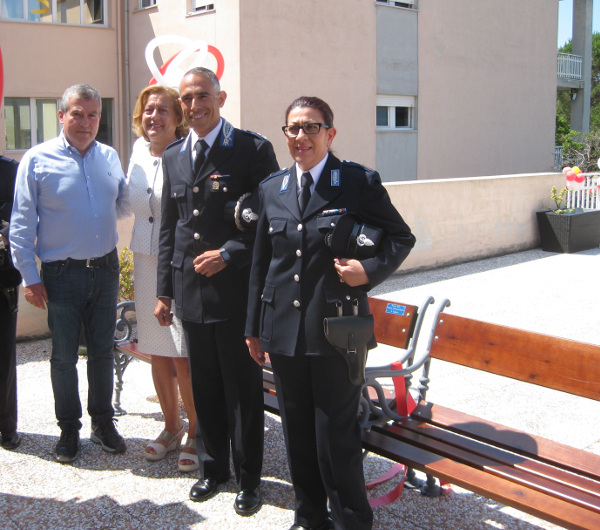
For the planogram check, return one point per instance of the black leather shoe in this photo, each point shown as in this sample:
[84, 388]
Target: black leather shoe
[205, 488]
[105, 433]
[11, 440]
[247, 502]
[68, 445]
[325, 525]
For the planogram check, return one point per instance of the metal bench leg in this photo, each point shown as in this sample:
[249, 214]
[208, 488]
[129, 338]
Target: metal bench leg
[431, 488]
[121, 362]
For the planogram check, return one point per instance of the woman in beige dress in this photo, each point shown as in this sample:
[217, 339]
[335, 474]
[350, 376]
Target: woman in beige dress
[158, 120]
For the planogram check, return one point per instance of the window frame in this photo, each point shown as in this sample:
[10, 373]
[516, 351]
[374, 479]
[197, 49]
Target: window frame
[391, 103]
[403, 4]
[34, 121]
[151, 3]
[201, 7]
[54, 14]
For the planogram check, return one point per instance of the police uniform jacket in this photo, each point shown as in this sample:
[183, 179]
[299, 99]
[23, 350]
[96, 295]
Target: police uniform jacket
[193, 222]
[293, 283]
[8, 173]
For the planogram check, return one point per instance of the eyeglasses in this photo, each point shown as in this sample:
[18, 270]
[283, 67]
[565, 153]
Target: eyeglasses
[291, 131]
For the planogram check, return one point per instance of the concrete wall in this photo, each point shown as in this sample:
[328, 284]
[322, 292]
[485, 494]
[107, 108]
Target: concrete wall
[454, 220]
[310, 48]
[397, 74]
[459, 220]
[487, 87]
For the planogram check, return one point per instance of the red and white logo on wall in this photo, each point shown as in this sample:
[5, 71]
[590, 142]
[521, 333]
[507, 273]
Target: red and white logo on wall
[193, 53]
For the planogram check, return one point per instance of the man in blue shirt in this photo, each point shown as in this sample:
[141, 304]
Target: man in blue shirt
[68, 196]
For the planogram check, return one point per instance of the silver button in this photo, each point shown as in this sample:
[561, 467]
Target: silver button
[175, 194]
[348, 297]
[296, 278]
[299, 253]
[196, 235]
[300, 227]
[196, 212]
[195, 189]
[270, 229]
[333, 225]
[225, 189]
[296, 303]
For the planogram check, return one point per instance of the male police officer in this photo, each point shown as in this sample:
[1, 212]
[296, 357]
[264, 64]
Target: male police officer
[203, 264]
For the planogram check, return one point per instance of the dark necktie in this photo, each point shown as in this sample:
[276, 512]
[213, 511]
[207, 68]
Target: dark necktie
[200, 147]
[305, 181]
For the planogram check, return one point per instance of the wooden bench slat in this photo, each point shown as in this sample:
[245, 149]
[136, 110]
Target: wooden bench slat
[526, 464]
[525, 499]
[395, 322]
[553, 453]
[492, 466]
[519, 354]
[131, 348]
[271, 404]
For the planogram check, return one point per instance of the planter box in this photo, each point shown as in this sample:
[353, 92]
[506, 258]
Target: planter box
[569, 232]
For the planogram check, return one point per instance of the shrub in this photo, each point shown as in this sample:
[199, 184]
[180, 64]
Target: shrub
[126, 275]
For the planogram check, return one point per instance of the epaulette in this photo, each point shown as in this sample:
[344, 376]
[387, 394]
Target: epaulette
[277, 173]
[255, 134]
[8, 160]
[355, 164]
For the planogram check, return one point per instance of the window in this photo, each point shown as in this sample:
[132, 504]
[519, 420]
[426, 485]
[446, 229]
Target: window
[105, 131]
[146, 3]
[77, 12]
[405, 3]
[17, 114]
[395, 112]
[29, 122]
[33, 121]
[200, 6]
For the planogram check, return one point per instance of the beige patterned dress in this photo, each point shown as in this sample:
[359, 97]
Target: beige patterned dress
[145, 179]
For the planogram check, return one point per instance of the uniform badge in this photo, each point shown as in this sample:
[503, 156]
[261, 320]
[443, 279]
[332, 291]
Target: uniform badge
[284, 184]
[216, 185]
[227, 137]
[335, 178]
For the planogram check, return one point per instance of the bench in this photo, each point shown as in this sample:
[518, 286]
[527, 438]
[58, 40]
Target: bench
[546, 479]
[125, 349]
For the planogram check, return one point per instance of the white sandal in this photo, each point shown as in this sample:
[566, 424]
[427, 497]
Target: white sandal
[173, 441]
[186, 455]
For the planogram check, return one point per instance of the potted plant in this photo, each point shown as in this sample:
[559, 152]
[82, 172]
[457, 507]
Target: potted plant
[569, 229]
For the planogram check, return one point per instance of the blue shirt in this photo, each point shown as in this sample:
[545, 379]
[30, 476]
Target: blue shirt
[66, 205]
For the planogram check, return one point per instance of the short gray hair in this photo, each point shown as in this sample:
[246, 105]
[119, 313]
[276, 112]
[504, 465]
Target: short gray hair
[200, 70]
[85, 92]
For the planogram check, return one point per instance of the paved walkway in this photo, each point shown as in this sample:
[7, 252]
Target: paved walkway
[551, 293]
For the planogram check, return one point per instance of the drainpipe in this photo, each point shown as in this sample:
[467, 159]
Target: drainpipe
[126, 86]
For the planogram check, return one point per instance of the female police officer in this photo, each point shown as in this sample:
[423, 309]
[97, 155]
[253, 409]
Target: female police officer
[296, 281]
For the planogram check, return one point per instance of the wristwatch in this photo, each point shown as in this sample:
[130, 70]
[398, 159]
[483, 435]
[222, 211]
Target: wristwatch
[225, 255]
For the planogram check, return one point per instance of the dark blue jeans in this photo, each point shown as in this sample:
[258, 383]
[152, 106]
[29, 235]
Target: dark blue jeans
[78, 296]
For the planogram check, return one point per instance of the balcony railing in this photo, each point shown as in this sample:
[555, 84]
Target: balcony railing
[569, 66]
[558, 151]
